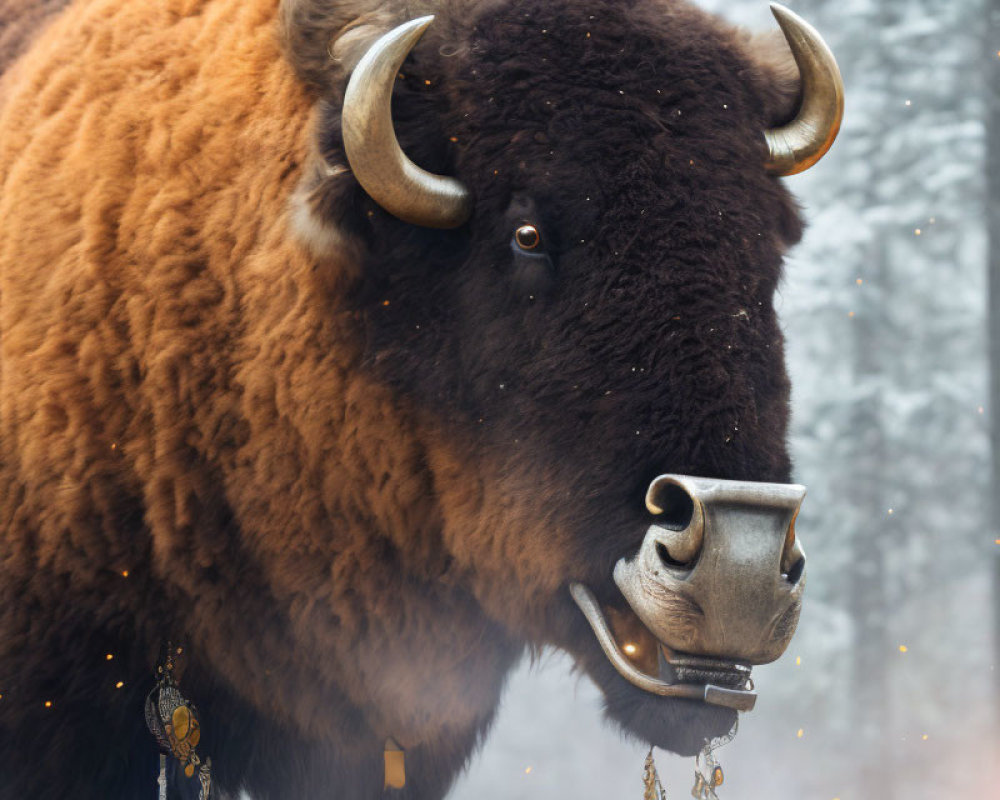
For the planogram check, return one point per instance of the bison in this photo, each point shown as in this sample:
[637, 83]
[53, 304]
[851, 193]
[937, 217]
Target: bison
[352, 434]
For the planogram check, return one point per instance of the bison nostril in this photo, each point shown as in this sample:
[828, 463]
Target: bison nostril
[793, 559]
[669, 560]
[674, 505]
[794, 574]
[680, 522]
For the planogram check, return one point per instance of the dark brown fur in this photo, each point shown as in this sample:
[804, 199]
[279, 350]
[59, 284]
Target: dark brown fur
[351, 463]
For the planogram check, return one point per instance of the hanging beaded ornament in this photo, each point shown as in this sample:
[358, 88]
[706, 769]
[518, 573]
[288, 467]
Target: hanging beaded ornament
[173, 721]
[710, 777]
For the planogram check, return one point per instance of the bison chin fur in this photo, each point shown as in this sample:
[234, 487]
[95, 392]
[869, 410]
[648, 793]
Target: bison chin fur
[675, 724]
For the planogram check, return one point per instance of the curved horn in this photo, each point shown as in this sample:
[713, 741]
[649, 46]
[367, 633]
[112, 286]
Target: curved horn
[804, 141]
[378, 162]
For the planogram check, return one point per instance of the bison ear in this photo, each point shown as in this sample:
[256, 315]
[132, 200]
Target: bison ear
[325, 39]
[777, 81]
[354, 40]
[328, 211]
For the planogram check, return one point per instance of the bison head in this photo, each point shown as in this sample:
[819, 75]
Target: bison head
[574, 294]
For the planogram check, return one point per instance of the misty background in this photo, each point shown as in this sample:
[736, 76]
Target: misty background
[889, 689]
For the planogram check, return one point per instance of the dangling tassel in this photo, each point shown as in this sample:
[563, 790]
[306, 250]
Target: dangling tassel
[653, 789]
[395, 765]
[162, 780]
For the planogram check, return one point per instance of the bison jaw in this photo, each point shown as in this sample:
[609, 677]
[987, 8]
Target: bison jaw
[715, 587]
[665, 684]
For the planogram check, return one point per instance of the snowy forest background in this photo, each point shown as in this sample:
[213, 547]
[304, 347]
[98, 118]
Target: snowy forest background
[888, 690]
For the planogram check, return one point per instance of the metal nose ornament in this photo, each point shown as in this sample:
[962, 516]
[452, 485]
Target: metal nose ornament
[723, 574]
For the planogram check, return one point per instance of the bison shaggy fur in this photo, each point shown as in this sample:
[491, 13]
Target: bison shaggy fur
[350, 463]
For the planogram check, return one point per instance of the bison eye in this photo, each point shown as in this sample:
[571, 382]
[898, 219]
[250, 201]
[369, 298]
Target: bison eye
[527, 237]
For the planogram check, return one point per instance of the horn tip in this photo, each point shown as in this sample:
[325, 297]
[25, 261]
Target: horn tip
[422, 22]
[414, 28]
[784, 15]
